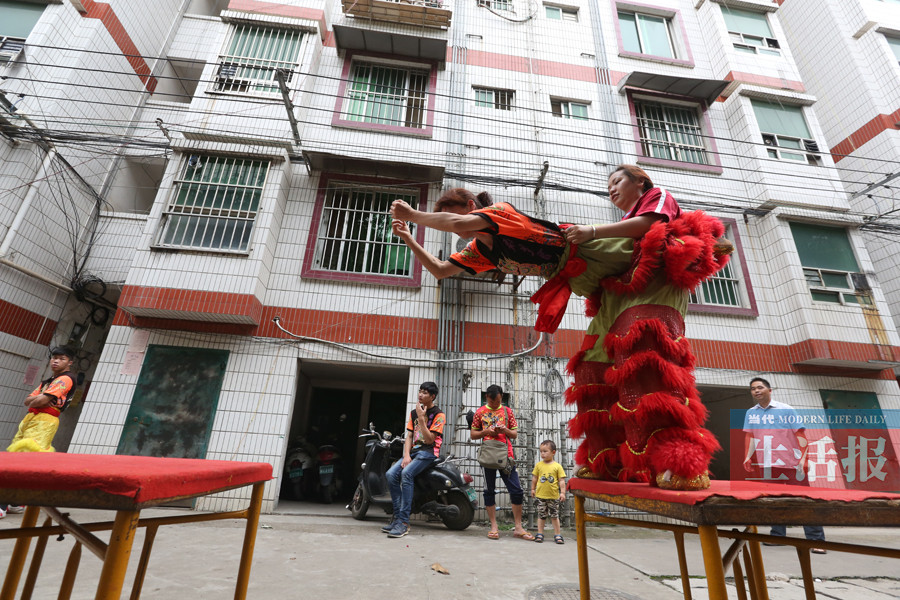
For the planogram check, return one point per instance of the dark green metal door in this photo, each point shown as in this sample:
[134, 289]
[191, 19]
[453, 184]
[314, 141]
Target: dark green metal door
[175, 401]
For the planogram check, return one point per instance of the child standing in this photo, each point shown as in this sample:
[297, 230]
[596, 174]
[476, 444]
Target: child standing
[548, 486]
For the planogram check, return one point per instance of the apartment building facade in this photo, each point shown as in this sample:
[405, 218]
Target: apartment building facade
[243, 247]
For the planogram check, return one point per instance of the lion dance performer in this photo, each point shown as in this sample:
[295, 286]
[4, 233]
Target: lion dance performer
[623, 268]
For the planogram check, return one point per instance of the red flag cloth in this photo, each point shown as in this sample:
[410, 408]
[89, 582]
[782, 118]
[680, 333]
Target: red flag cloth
[552, 298]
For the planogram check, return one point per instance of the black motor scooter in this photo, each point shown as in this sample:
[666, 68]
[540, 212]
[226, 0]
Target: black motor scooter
[440, 490]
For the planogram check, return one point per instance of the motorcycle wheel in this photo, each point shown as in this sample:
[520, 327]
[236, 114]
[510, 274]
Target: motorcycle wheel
[466, 512]
[359, 505]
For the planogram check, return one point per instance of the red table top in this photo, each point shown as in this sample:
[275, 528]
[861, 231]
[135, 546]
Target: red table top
[740, 490]
[142, 479]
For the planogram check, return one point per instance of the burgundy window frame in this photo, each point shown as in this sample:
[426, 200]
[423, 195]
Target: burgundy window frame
[740, 311]
[311, 272]
[427, 131]
[677, 20]
[712, 151]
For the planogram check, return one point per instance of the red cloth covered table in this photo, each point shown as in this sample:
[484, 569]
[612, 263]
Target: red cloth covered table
[742, 503]
[125, 484]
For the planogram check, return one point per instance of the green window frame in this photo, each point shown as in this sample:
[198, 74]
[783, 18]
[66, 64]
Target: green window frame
[252, 56]
[829, 263]
[750, 32]
[215, 204]
[386, 95]
[671, 132]
[354, 234]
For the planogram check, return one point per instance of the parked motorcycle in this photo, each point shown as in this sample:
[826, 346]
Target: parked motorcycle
[299, 470]
[329, 483]
[440, 490]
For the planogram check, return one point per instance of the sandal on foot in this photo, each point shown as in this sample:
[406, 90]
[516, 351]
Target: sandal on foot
[524, 535]
[493, 535]
[539, 538]
[559, 539]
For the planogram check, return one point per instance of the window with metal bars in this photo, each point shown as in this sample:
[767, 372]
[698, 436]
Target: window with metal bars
[722, 289]
[496, 4]
[386, 95]
[670, 132]
[354, 233]
[494, 98]
[252, 56]
[215, 203]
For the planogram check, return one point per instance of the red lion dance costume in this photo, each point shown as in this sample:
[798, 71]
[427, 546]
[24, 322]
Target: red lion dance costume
[638, 409]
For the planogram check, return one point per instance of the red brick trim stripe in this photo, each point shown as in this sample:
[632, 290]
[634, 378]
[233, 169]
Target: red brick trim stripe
[107, 16]
[191, 304]
[869, 131]
[22, 323]
[482, 338]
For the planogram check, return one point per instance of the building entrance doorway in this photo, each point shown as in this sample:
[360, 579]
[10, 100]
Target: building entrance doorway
[334, 403]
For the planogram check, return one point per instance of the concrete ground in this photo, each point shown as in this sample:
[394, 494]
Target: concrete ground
[316, 551]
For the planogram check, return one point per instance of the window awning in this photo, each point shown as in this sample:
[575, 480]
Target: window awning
[353, 38]
[704, 89]
[334, 163]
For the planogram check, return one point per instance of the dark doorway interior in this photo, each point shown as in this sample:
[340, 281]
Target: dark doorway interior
[336, 401]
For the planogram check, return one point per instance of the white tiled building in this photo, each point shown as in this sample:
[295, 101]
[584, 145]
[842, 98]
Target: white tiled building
[220, 215]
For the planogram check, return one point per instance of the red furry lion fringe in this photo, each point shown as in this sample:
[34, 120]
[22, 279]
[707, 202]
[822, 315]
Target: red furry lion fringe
[655, 331]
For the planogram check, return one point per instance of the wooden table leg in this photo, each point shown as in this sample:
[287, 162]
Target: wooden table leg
[806, 568]
[243, 580]
[68, 581]
[759, 571]
[739, 579]
[112, 576]
[682, 565]
[149, 537]
[19, 554]
[37, 557]
[712, 561]
[584, 579]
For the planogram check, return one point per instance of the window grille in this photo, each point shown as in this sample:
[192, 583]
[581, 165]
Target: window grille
[670, 132]
[10, 48]
[722, 289]
[386, 95]
[497, 4]
[569, 110]
[215, 203]
[253, 56]
[491, 98]
[354, 234]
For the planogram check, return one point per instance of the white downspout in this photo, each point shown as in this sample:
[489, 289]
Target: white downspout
[26, 203]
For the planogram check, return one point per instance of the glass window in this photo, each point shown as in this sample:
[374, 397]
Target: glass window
[646, 34]
[750, 31]
[215, 203]
[386, 95]
[557, 13]
[722, 289]
[496, 4]
[670, 132]
[19, 18]
[569, 110]
[828, 263]
[354, 234]
[784, 129]
[894, 43]
[253, 55]
[491, 98]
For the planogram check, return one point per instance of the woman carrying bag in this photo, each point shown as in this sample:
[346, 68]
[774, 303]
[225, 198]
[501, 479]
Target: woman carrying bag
[494, 423]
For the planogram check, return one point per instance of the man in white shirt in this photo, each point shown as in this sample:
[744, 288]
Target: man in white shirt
[780, 450]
